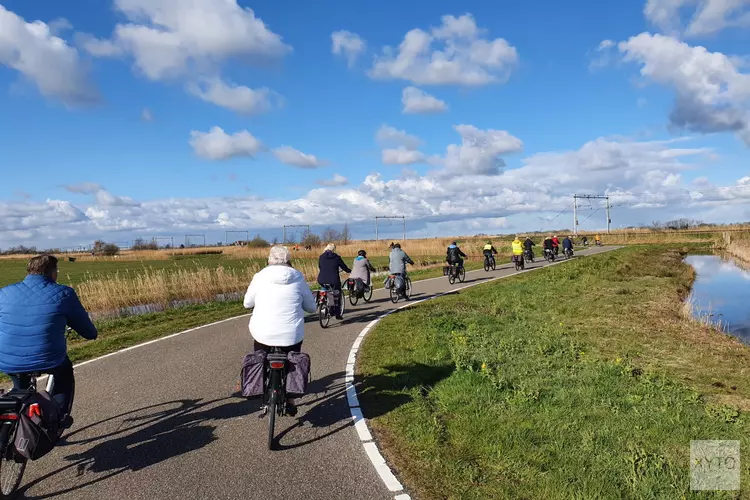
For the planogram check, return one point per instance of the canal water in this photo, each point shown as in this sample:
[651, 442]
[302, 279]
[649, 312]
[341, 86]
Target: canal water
[721, 294]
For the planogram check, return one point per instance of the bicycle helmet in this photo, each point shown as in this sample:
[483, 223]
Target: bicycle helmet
[362, 253]
[397, 245]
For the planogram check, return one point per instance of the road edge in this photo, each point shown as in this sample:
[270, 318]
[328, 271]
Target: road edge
[360, 422]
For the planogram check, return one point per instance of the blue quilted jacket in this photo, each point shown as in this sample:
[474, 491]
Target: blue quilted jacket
[33, 316]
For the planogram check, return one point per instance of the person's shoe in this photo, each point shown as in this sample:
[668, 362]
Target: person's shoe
[66, 422]
[291, 409]
[339, 317]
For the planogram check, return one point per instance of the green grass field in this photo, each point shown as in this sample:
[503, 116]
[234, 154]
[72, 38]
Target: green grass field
[579, 381]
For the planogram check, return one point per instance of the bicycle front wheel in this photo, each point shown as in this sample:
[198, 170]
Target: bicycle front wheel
[407, 289]
[494, 264]
[11, 470]
[461, 275]
[368, 294]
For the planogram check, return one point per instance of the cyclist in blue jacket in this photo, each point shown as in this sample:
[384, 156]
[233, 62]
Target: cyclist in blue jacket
[33, 316]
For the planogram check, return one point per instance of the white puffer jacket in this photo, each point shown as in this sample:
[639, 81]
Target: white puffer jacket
[279, 296]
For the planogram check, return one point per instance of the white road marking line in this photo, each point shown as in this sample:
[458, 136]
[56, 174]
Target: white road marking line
[371, 448]
[383, 470]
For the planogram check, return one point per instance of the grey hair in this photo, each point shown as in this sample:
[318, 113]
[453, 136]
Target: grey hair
[279, 255]
[330, 247]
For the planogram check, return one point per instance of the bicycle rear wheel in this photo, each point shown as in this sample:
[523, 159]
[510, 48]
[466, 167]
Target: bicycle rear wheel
[394, 295]
[487, 264]
[324, 316]
[353, 299]
[11, 471]
[271, 421]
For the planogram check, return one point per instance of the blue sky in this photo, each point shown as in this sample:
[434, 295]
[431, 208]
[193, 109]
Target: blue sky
[111, 111]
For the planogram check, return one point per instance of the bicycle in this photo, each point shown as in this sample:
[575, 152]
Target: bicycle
[396, 294]
[568, 253]
[456, 271]
[549, 255]
[353, 297]
[528, 256]
[489, 262]
[324, 310]
[274, 401]
[518, 261]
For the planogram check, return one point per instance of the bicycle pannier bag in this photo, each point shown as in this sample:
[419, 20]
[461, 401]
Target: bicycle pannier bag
[36, 435]
[252, 373]
[298, 373]
[359, 287]
[400, 283]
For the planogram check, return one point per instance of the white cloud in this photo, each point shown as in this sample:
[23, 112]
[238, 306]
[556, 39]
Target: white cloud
[147, 115]
[348, 45]
[238, 98]
[107, 199]
[169, 38]
[336, 180]
[644, 179]
[391, 136]
[402, 156]
[710, 17]
[83, 188]
[296, 158]
[467, 57]
[419, 101]
[45, 60]
[218, 145]
[711, 94]
[59, 26]
[480, 150]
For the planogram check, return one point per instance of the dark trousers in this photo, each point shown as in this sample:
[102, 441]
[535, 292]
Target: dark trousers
[62, 393]
[263, 347]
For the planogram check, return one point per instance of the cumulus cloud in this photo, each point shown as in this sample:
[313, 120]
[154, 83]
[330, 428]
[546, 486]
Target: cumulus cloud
[711, 93]
[463, 56]
[238, 98]
[480, 150]
[336, 180]
[348, 45]
[402, 156]
[420, 102]
[645, 180]
[218, 145]
[83, 188]
[296, 158]
[54, 67]
[710, 16]
[168, 38]
[391, 136]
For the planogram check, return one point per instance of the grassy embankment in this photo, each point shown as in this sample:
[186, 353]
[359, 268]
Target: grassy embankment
[578, 381]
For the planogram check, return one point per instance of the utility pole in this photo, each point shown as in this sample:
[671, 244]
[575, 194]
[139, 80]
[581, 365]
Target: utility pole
[589, 197]
[403, 221]
[609, 220]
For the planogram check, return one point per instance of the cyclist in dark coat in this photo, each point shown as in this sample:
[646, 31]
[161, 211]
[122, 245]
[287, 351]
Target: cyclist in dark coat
[329, 265]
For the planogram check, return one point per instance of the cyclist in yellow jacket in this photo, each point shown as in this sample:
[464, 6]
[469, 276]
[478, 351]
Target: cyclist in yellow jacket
[517, 249]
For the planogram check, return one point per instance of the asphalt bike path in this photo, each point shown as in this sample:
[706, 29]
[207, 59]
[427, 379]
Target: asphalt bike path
[163, 421]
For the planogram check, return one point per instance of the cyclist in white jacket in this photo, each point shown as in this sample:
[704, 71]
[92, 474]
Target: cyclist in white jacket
[279, 297]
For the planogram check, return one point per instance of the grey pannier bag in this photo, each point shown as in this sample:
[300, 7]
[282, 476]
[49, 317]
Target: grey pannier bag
[253, 373]
[298, 373]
